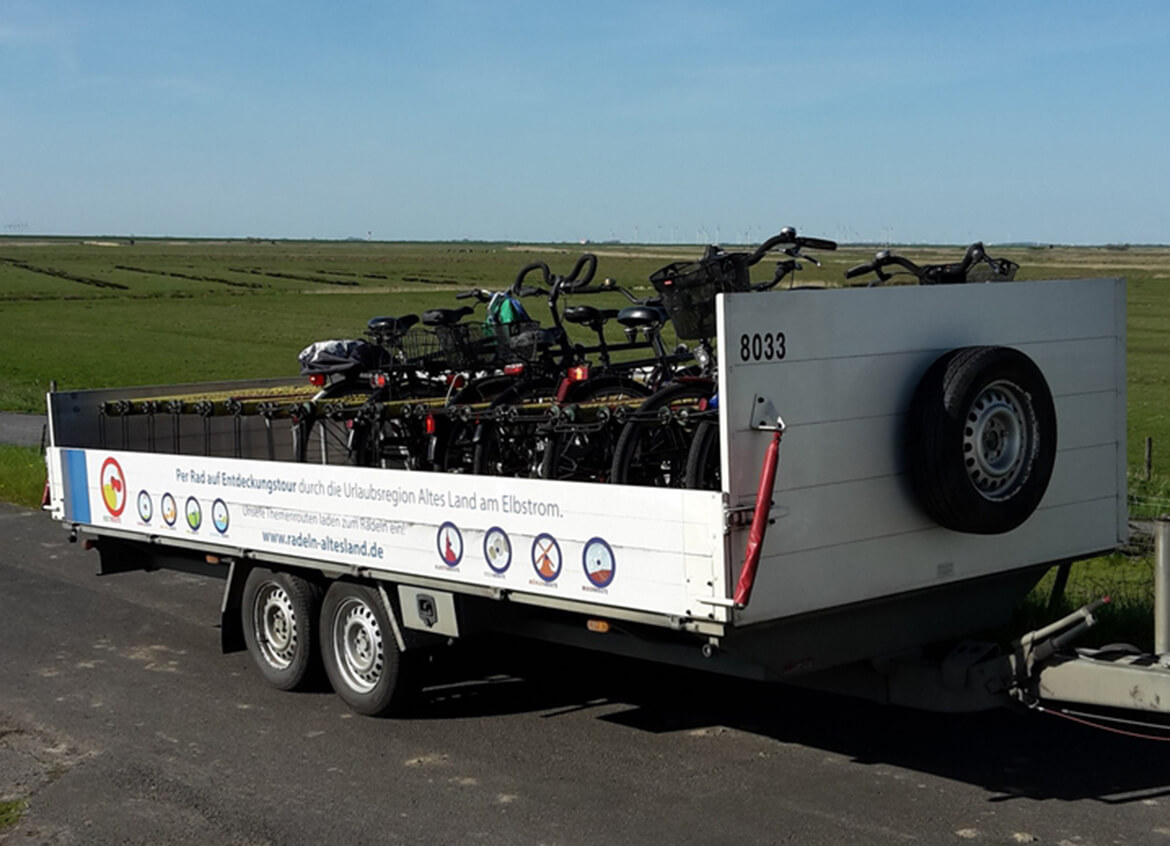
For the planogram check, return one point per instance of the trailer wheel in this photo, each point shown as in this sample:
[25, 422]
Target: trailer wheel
[360, 652]
[280, 619]
[981, 439]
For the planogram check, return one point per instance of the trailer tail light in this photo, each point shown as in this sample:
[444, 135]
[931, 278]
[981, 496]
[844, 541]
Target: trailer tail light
[599, 626]
[579, 373]
[317, 379]
[378, 380]
[430, 424]
[703, 404]
[455, 380]
[514, 369]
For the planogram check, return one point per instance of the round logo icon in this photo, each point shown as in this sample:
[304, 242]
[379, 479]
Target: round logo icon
[194, 513]
[599, 562]
[449, 542]
[497, 549]
[170, 511]
[546, 557]
[219, 516]
[113, 483]
[145, 507]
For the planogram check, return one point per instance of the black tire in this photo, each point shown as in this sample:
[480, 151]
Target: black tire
[652, 453]
[588, 455]
[454, 450]
[279, 614]
[513, 449]
[360, 652]
[704, 470]
[981, 439]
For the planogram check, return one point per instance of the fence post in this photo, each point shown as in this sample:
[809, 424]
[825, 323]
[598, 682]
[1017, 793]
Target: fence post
[1149, 457]
[1162, 585]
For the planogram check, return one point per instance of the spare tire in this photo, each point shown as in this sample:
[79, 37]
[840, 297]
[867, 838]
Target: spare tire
[981, 439]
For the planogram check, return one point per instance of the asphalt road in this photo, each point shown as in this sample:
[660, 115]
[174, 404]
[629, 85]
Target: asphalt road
[21, 429]
[121, 722]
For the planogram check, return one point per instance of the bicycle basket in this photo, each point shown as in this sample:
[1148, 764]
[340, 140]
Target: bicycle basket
[522, 341]
[420, 347]
[688, 290]
[465, 347]
[1004, 271]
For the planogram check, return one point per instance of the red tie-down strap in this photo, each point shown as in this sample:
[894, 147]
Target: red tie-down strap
[751, 558]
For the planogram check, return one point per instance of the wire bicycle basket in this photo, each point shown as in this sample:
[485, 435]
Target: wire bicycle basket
[688, 290]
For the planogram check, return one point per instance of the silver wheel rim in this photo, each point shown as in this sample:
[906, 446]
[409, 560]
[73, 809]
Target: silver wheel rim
[997, 437]
[357, 645]
[274, 622]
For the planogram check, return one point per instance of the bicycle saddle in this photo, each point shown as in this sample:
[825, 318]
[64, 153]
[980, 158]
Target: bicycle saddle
[587, 315]
[445, 316]
[636, 316]
[391, 325]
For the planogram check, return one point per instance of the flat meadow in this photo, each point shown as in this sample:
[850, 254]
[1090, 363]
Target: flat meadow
[116, 311]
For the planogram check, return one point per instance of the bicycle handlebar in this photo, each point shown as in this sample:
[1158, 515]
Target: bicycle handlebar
[795, 243]
[528, 268]
[933, 274]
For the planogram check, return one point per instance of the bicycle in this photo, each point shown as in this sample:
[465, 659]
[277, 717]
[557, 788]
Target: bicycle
[656, 443]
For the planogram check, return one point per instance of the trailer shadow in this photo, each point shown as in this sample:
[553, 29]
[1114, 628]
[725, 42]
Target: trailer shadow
[1009, 753]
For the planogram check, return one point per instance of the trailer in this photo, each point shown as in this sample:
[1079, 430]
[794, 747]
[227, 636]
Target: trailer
[898, 468]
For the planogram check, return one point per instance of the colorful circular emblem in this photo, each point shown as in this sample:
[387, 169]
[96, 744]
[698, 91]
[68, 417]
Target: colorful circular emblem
[145, 507]
[113, 483]
[449, 542]
[546, 557]
[219, 516]
[599, 562]
[497, 549]
[170, 511]
[194, 513]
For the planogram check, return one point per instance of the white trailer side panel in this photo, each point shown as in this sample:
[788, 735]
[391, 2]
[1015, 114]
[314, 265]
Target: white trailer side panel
[848, 527]
[658, 551]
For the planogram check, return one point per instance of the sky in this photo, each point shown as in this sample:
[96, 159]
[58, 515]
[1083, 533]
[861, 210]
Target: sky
[655, 122]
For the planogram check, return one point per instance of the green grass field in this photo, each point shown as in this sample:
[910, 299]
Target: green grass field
[112, 312]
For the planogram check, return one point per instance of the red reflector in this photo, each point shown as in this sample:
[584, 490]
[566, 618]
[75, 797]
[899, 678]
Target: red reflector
[579, 373]
[703, 404]
[455, 380]
[667, 282]
[317, 379]
[430, 425]
[45, 500]
[378, 380]
[513, 369]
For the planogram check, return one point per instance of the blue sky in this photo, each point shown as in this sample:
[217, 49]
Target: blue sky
[900, 121]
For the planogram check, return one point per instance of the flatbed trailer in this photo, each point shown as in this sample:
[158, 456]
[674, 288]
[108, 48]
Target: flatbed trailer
[874, 541]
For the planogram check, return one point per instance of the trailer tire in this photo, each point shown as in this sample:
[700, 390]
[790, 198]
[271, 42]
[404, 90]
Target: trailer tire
[279, 612]
[360, 651]
[981, 439]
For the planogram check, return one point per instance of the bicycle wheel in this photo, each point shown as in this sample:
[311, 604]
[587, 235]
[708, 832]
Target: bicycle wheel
[514, 448]
[586, 454]
[453, 445]
[653, 452]
[704, 469]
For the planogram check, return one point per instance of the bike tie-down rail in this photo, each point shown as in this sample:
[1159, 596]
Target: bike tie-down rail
[764, 419]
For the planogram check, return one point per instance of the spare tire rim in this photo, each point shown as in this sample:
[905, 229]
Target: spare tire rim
[997, 438]
[274, 622]
[357, 645]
